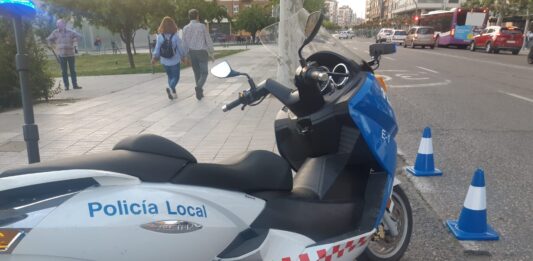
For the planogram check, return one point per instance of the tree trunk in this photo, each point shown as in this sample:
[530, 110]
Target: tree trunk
[133, 43]
[288, 42]
[127, 38]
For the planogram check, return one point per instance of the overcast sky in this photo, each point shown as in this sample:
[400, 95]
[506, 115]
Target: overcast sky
[357, 5]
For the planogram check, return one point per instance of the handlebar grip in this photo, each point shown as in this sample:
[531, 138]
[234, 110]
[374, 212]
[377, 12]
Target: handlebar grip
[232, 105]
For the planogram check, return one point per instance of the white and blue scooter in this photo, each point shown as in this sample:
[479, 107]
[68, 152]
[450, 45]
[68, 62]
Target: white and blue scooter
[149, 198]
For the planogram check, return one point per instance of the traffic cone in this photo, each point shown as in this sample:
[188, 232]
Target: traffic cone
[472, 223]
[424, 164]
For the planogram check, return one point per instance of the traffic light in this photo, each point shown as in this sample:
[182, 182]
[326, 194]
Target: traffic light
[416, 18]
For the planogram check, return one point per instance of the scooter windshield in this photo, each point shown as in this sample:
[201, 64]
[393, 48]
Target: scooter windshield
[277, 43]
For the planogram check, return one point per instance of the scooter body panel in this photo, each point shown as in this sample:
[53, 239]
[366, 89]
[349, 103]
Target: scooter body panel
[125, 223]
[372, 113]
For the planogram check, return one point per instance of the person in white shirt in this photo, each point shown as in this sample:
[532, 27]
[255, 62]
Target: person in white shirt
[200, 49]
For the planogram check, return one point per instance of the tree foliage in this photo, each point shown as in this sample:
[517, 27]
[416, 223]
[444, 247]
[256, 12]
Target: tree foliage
[123, 17]
[254, 18]
[503, 8]
[40, 80]
[313, 5]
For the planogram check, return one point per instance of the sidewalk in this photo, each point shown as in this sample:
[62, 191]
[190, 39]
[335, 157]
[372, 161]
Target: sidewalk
[114, 107]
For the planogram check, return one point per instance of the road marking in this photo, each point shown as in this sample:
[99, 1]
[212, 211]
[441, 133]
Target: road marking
[426, 69]
[478, 60]
[421, 85]
[393, 70]
[389, 58]
[355, 48]
[518, 96]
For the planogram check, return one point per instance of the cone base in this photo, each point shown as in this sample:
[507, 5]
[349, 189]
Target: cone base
[490, 234]
[435, 172]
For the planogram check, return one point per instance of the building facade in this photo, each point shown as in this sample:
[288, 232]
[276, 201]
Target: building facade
[330, 7]
[387, 9]
[345, 16]
[402, 7]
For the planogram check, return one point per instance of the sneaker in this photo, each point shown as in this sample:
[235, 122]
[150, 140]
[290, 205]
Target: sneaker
[66, 89]
[175, 96]
[77, 87]
[169, 93]
[199, 93]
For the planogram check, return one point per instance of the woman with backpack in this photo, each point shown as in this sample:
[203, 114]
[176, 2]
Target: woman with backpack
[169, 50]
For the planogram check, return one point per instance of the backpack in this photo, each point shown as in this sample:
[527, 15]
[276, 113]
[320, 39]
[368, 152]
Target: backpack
[166, 50]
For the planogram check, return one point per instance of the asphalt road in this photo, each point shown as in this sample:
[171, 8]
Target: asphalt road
[480, 109]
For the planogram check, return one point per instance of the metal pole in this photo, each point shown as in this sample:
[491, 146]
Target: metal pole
[30, 129]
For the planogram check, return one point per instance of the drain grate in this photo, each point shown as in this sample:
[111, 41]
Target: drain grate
[13, 146]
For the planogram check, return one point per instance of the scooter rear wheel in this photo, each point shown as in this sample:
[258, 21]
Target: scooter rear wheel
[393, 247]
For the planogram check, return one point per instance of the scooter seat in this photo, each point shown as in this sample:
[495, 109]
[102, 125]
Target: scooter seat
[253, 171]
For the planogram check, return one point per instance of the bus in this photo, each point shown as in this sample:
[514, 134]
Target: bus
[457, 26]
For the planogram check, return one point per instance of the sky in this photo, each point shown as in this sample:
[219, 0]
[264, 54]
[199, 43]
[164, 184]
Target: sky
[357, 5]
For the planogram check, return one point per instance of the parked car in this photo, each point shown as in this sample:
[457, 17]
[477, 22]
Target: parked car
[345, 35]
[383, 34]
[397, 36]
[496, 38]
[420, 36]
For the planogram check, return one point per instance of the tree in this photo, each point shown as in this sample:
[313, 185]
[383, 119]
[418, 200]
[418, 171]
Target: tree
[502, 8]
[330, 26]
[313, 5]
[123, 17]
[253, 19]
[40, 80]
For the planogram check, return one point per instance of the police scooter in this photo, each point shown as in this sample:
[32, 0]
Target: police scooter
[149, 198]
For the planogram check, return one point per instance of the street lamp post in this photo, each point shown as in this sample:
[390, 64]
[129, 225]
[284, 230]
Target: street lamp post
[16, 10]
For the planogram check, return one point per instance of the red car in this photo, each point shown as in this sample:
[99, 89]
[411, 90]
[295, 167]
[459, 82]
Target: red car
[496, 38]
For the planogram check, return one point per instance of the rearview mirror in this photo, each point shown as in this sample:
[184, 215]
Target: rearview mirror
[311, 24]
[223, 70]
[379, 49]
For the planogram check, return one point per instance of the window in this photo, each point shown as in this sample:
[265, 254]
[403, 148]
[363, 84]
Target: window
[412, 31]
[400, 33]
[425, 31]
[235, 8]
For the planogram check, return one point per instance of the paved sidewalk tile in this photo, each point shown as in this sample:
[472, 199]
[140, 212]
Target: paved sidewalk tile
[111, 108]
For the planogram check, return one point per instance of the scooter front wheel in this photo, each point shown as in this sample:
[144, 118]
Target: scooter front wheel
[385, 246]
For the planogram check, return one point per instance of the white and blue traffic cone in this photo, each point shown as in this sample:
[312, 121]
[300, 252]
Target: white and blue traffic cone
[472, 222]
[424, 164]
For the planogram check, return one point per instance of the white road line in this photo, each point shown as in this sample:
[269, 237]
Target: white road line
[426, 69]
[389, 58]
[393, 70]
[518, 96]
[421, 85]
[355, 48]
[472, 59]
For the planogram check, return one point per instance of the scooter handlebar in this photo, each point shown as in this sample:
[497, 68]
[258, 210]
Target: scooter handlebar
[232, 104]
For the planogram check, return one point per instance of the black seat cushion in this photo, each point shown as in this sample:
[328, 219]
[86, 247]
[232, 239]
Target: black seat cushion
[147, 167]
[249, 172]
[153, 144]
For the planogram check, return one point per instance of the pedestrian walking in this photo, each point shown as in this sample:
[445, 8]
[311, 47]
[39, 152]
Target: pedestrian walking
[200, 49]
[529, 39]
[64, 40]
[169, 50]
[98, 44]
[114, 47]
